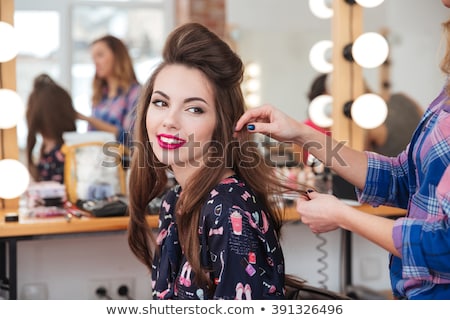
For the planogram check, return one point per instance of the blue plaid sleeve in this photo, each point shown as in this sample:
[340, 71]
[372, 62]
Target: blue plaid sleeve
[387, 181]
[425, 243]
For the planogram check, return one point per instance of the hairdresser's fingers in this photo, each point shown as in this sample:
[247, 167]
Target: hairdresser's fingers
[262, 127]
[300, 203]
[262, 113]
[302, 197]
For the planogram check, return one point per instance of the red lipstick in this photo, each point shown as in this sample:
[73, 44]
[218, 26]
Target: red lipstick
[167, 141]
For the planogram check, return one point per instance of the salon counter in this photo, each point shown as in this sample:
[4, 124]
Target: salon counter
[51, 226]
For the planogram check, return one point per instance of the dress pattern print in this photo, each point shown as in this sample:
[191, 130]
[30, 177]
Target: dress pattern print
[238, 245]
[51, 165]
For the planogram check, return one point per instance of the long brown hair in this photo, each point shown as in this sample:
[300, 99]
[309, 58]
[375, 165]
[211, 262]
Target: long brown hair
[123, 68]
[193, 45]
[50, 113]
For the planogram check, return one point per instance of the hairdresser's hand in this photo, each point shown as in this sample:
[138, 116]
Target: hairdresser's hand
[321, 212]
[270, 121]
[82, 117]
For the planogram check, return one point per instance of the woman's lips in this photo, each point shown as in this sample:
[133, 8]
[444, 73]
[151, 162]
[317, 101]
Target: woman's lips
[170, 142]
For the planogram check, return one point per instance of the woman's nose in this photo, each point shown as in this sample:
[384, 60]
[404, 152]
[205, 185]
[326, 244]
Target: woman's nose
[171, 119]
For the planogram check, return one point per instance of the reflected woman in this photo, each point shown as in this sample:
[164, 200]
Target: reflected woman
[115, 89]
[50, 113]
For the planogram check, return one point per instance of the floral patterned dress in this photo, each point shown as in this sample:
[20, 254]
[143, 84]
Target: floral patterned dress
[51, 166]
[238, 244]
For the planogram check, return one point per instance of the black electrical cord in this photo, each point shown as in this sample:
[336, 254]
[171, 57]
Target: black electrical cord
[322, 261]
[323, 184]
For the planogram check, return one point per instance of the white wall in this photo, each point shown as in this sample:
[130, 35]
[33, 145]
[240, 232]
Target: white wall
[307, 255]
[418, 47]
[70, 264]
[278, 35]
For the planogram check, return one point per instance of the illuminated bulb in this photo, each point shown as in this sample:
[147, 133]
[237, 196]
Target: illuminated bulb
[370, 50]
[369, 111]
[252, 85]
[15, 179]
[321, 8]
[11, 108]
[320, 56]
[8, 40]
[253, 70]
[369, 3]
[253, 100]
[320, 110]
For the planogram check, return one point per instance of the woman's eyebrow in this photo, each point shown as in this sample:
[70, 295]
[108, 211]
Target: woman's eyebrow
[161, 93]
[195, 99]
[185, 100]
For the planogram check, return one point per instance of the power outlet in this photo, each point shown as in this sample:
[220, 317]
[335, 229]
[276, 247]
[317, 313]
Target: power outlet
[95, 284]
[128, 288]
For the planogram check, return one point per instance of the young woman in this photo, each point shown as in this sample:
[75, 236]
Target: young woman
[115, 89]
[50, 113]
[418, 179]
[220, 226]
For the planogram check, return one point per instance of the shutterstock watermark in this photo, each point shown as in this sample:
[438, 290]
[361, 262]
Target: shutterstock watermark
[331, 151]
[218, 155]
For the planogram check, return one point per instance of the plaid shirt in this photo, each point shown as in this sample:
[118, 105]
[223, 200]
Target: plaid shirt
[119, 111]
[418, 179]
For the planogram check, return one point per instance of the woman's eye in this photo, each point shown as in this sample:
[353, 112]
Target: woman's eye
[195, 109]
[159, 103]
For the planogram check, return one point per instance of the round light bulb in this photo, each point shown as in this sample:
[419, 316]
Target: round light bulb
[252, 85]
[369, 111]
[370, 50]
[369, 3]
[8, 40]
[320, 56]
[320, 111]
[11, 108]
[15, 178]
[253, 70]
[321, 8]
[253, 100]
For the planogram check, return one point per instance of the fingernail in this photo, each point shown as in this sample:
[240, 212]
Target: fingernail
[250, 127]
[310, 190]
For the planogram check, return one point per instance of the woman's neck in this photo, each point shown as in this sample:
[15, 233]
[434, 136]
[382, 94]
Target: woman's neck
[182, 174]
[113, 85]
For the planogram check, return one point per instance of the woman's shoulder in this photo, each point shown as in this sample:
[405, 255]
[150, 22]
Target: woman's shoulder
[172, 194]
[136, 86]
[54, 152]
[230, 185]
[232, 192]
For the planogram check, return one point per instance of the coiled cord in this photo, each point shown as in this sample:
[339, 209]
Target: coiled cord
[322, 261]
